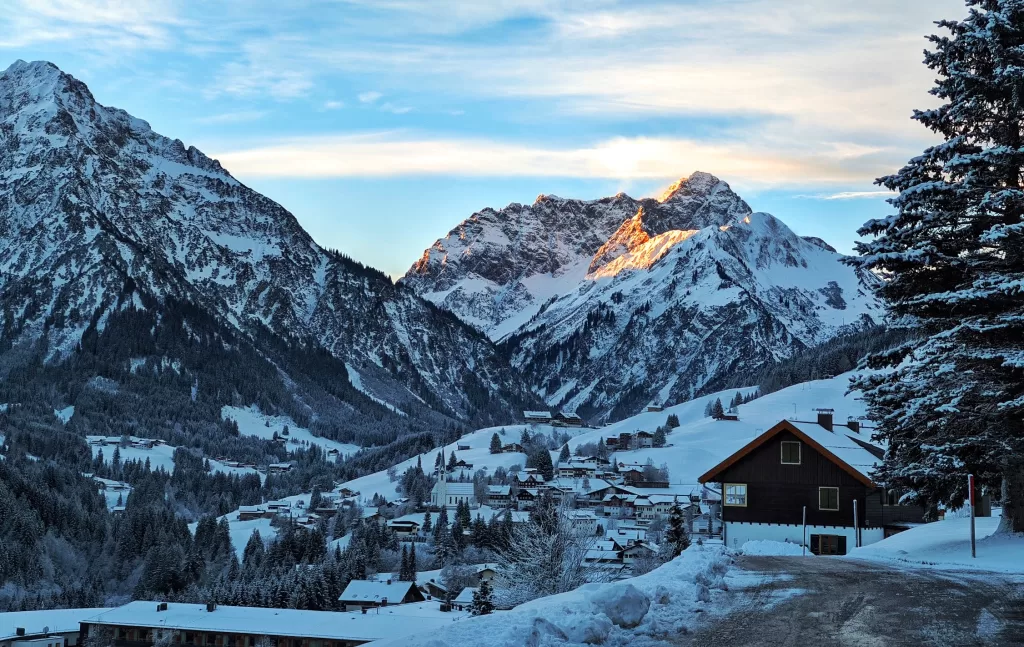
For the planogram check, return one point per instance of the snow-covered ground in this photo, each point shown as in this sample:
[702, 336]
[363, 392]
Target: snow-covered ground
[643, 611]
[162, 456]
[768, 547]
[56, 621]
[252, 422]
[946, 544]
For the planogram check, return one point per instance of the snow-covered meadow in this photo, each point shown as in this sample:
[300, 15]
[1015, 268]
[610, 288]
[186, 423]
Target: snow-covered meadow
[253, 422]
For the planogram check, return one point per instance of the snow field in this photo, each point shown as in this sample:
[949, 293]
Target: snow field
[252, 422]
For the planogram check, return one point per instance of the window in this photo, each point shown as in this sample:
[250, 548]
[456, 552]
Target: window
[828, 498]
[791, 452]
[736, 494]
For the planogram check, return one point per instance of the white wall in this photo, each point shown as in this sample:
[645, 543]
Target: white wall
[737, 533]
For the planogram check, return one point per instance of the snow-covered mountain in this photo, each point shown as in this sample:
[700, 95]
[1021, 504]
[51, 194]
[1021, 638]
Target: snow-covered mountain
[605, 317]
[99, 214]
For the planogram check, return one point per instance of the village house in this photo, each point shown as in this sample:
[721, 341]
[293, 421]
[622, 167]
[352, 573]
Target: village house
[486, 572]
[251, 512]
[499, 496]
[820, 467]
[638, 551]
[146, 623]
[279, 468]
[583, 520]
[512, 448]
[367, 594]
[576, 469]
[619, 506]
[462, 447]
[404, 528]
[53, 628]
[655, 408]
[568, 419]
[537, 417]
[644, 439]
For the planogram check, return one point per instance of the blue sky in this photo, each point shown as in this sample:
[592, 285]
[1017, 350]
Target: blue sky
[383, 123]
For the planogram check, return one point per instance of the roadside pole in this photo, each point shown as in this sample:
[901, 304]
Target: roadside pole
[804, 542]
[856, 527]
[970, 488]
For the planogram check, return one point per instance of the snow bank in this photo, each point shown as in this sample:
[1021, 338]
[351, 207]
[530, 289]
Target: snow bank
[947, 544]
[768, 547]
[642, 611]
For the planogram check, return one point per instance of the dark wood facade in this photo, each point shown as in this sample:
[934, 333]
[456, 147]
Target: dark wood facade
[777, 493]
[778, 489]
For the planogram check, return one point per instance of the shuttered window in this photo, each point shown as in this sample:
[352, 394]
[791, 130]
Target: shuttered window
[828, 498]
[791, 452]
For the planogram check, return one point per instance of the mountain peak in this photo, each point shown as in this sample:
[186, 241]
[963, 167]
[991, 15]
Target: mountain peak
[697, 183]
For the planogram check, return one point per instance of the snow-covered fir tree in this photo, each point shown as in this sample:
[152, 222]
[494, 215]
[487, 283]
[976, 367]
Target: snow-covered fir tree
[953, 254]
[482, 602]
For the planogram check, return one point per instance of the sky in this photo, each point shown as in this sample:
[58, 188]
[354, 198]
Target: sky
[381, 124]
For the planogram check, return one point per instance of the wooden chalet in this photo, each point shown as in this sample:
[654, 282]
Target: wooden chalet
[819, 467]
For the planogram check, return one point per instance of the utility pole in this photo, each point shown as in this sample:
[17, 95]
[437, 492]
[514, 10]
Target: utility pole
[804, 542]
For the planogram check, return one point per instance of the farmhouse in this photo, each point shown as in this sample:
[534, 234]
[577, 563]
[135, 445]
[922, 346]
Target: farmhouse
[499, 496]
[360, 594]
[404, 528]
[250, 512]
[819, 467]
[279, 468]
[568, 419]
[537, 417]
[143, 623]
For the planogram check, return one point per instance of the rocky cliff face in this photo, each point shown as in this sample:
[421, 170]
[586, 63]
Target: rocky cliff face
[98, 214]
[681, 291]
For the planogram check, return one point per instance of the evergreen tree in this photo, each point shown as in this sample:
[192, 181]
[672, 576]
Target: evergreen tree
[403, 572]
[677, 537]
[441, 529]
[252, 556]
[495, 444]
[482, 603]
[427, 525]
[524, 439]
[413, 567]
[953, 256]
[541, 459]
[564, 455]
[451, 462]
[659, 437]
[717, 410]
[315, 498]
[673, 421]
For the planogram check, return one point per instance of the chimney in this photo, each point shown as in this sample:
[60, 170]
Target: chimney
[854, 425]
[363, 609]
[211, 606]
[20, 631]
[825, 418]
[389, 582]
[161, 606]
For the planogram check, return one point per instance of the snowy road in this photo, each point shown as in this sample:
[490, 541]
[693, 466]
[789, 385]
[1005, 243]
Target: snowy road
[852, 603]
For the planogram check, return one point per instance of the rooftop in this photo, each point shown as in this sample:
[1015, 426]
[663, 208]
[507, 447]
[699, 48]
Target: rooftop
[379, 624]
[55, 621]
[375, 591]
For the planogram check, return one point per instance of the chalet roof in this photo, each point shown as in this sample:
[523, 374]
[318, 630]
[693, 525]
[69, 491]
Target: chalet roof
[540, 415]
[373, 591]
[391, 622]
[466, 597]
[499, 490]
[836, 446]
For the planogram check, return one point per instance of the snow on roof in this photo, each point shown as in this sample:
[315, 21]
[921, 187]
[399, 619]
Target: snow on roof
[499, 489]
[459, 489]
[841, 446]
[545, 415]
[466, 597]
[325, 625]
[375, 591]
[56, 621]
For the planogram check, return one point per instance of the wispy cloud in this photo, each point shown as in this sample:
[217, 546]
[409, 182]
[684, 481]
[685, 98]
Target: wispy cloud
[848, 195]
[333, 105]
[394, 109]
[233, 117]
[401, 153]
[369, 97]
